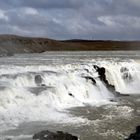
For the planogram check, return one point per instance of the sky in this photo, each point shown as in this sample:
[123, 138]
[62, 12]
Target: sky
[71, 19]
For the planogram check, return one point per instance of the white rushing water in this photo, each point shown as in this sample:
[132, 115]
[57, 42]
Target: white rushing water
[40, 92]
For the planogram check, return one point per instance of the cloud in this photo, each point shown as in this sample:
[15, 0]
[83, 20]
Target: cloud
[135, 2]
[121, 21]
[46, 3]
[30, 11]
[3, 16]
[66, 19]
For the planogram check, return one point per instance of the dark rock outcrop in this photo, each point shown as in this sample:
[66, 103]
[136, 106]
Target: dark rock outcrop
[136, 135]
[70, 94]
[38, 80]
[59, 135]
[101, 72]
[91, 79]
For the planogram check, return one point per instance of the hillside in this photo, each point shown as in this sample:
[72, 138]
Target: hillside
[11, 44]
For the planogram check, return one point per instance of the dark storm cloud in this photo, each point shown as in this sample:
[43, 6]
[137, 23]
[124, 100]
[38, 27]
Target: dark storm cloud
[63, 19]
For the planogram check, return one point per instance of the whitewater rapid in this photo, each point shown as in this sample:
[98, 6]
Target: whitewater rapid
[42, 92]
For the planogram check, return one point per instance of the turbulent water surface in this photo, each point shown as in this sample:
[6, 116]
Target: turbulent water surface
[63, 91]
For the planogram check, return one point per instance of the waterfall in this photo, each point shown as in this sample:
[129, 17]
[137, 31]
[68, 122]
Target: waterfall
[31, 93]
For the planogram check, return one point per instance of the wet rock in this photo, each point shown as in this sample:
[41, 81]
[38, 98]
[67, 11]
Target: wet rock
[70, 94]
[86, 70]
[59, 135]
[91, 79]
[101, 72]
[102, 76]
[112, 100]
[96, 67]
[136, 135]
[38, 80]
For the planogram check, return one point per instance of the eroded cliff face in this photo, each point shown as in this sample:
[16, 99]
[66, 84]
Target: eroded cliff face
[15, 44]
[10, 44]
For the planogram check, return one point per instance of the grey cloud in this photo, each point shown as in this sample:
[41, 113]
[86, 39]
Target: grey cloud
[46, 4]
[65, 19]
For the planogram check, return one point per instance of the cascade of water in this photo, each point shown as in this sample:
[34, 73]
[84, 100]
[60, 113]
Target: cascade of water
[37, 90]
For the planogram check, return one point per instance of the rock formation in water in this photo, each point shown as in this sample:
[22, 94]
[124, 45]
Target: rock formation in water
[59, 135]
[136, 135]
[91, 79]
[38, 80]
[101, 72]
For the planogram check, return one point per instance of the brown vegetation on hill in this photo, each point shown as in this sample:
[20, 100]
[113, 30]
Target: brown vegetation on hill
[10, 44]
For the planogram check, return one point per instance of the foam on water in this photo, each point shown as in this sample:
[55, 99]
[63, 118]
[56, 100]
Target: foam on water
[125, 76]
[42, 92]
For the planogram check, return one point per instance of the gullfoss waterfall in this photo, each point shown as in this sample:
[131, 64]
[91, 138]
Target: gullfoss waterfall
[67, 93]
